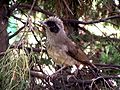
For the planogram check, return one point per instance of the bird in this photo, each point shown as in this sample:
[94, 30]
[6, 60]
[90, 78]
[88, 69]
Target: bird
[62, 49]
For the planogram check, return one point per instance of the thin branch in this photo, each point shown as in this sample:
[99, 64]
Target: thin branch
[68, 7]
[98, 38]
[19, 19]
[109, 68]
[107, 65]
[31, 7]
[16, 32]
[91, 22]
[101, 77]
[38, 50]
[36, 8]
[35, 37]
[38, 75]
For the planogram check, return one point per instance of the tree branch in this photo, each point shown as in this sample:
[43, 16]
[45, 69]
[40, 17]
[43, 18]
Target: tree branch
[38, 50]
[37, 8]
[91, 22]
[44, 76]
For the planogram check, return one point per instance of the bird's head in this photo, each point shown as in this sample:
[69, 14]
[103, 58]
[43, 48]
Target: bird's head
[53, 24]
[54, 27]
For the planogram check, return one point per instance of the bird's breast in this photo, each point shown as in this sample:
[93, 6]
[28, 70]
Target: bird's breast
[53, 53]
[57, 53]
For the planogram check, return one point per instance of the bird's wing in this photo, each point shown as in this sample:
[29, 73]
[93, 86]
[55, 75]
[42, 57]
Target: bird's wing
[77, 53]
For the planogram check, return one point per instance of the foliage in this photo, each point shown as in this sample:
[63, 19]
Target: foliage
[14, 71]
[110, 55]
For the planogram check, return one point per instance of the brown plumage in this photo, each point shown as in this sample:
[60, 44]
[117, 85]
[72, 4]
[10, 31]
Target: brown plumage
[60, 47]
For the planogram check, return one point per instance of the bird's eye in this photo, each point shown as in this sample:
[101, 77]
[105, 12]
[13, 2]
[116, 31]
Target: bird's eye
[53, 27]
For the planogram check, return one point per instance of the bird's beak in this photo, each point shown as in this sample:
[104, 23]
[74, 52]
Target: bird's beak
[43, 23]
